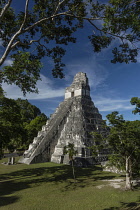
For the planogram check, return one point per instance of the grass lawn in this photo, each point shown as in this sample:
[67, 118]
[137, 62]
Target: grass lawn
[49, 186]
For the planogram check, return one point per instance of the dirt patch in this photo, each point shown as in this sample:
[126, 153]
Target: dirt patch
[116, 183]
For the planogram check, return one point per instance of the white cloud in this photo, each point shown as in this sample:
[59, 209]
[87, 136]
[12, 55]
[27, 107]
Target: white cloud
[8, 62]
[47, 91]
[115, 104]
[96, 73]
[45, 88]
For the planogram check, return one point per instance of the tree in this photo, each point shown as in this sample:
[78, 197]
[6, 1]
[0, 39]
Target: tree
[136, 101]
[32, 120]
[10, 124]
[70, 150]
[19, 122]
[27, 110]
[125, 142]
[99, 142]
[99, 139]
[43, 28]
[34, 126]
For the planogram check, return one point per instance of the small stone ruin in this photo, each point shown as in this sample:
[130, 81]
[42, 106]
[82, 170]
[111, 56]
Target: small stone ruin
[72, 122]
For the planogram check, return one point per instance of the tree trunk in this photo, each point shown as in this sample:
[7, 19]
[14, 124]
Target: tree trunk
[73, 170]
[128, 184]
[130, 169]
[12, 160]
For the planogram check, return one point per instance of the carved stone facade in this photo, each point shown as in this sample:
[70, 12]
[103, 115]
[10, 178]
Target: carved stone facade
[72, 122]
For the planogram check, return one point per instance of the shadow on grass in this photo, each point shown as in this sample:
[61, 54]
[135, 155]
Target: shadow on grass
[31, 177]
[8, 200]
[126, 206]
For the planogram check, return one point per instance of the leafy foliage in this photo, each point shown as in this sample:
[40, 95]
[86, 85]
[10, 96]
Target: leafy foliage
[44, 28]
[10, 122]
[99, 139]
[27, 110]
[136, 101]
[70, 150]
[34, 126]
[19, 121]
[117, 161]
[124, 135]
[125, 142]
[24, 72]
[98, 143]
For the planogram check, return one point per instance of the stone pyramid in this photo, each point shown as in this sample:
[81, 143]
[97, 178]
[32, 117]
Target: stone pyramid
[72, 122]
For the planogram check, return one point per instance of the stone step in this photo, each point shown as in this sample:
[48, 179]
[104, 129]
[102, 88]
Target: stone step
[53, 126]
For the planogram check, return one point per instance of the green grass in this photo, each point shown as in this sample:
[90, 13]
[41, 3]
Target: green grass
[49, 186]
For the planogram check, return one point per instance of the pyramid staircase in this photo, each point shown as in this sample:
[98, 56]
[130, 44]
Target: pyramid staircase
[46, 136]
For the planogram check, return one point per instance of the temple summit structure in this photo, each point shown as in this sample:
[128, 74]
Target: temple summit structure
[72, 122]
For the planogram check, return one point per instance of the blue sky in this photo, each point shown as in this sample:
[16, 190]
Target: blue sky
[112, 85]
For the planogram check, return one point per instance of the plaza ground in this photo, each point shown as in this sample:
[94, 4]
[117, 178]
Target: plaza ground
[49, 186]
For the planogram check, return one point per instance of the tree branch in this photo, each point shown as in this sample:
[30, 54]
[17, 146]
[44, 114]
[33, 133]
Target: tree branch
[5, 9]
[11, 43]
[25, 15]
[22, 31]
[121, 37]
[60, 2]
[24, 44]
[10, 46]
[56, 15]
[8, 49]
[131, 154]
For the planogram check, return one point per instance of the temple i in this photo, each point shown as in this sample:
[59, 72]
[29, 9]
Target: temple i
[72, 122]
